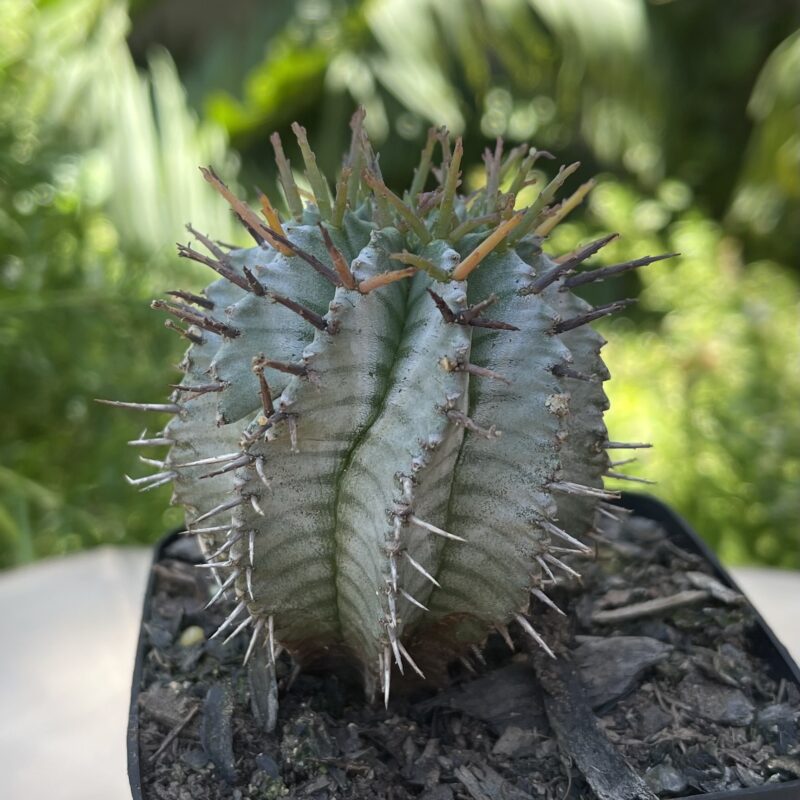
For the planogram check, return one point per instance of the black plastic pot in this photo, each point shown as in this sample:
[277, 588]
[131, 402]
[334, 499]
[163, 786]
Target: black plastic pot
[764, 642]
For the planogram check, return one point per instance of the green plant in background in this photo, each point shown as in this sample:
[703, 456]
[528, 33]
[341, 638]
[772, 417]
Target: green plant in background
[391, 420]
[97, 177]
[766, 202]
[94, 159]
[614, 71]
[710, 374]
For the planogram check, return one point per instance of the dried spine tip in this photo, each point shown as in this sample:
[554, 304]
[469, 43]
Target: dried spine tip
[156, 441]
[563, 371]
[274, 222]
[189, 297]
[473, 369]
[541, 282]
[259, 363]
[200, 320]
[339, 263]
[554, 530]
[242, 461]
[422, 571]
[506, 636]
[462, 271]
[208, 243]
[257, 629]
[221, 267]
[191, 336]
[169, 408]
[210, 529]
[557, 562]
[222, 589]
[465, 317]
[243, 212]
[433, 529]
[306, 313]
[531, 631]
[407, 656]
[151, 481]
[590, 316]
[384, 279]
[604, 273]
[226, 506]
[197, 390]
[309, 258]
[229, 620]
[462, 419]
[621, 476]
[588, 491]
[263, 389]
[539, 594]
[412, 600]
[238, 629]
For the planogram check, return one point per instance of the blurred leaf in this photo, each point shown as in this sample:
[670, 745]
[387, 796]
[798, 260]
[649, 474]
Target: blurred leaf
[708, 370]
[767, 199]
[99, 176]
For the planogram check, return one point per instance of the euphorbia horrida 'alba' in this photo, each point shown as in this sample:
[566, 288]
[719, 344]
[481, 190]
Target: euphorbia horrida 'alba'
[390, 426]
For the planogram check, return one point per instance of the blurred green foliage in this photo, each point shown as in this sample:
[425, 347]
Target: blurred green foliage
[96, 163]
[689, 111]
[709, 373]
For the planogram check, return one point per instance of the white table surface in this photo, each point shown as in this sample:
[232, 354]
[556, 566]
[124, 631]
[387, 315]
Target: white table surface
[67, 640]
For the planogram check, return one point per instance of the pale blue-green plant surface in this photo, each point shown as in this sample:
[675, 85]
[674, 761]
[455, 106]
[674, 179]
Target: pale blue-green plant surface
[391, 421]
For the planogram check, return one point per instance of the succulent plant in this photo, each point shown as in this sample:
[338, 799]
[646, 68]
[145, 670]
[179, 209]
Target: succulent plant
[390, 426]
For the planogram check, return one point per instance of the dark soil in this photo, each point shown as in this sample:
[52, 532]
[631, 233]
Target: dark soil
[682, 694]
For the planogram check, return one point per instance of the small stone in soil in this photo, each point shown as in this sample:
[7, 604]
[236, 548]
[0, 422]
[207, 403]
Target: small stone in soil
[166, 704]
[611, 667]
[715, 702]
[651, 718]
[194, 758]
[191, 636]
[515, 743]
[267, 764]
[665, 780]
